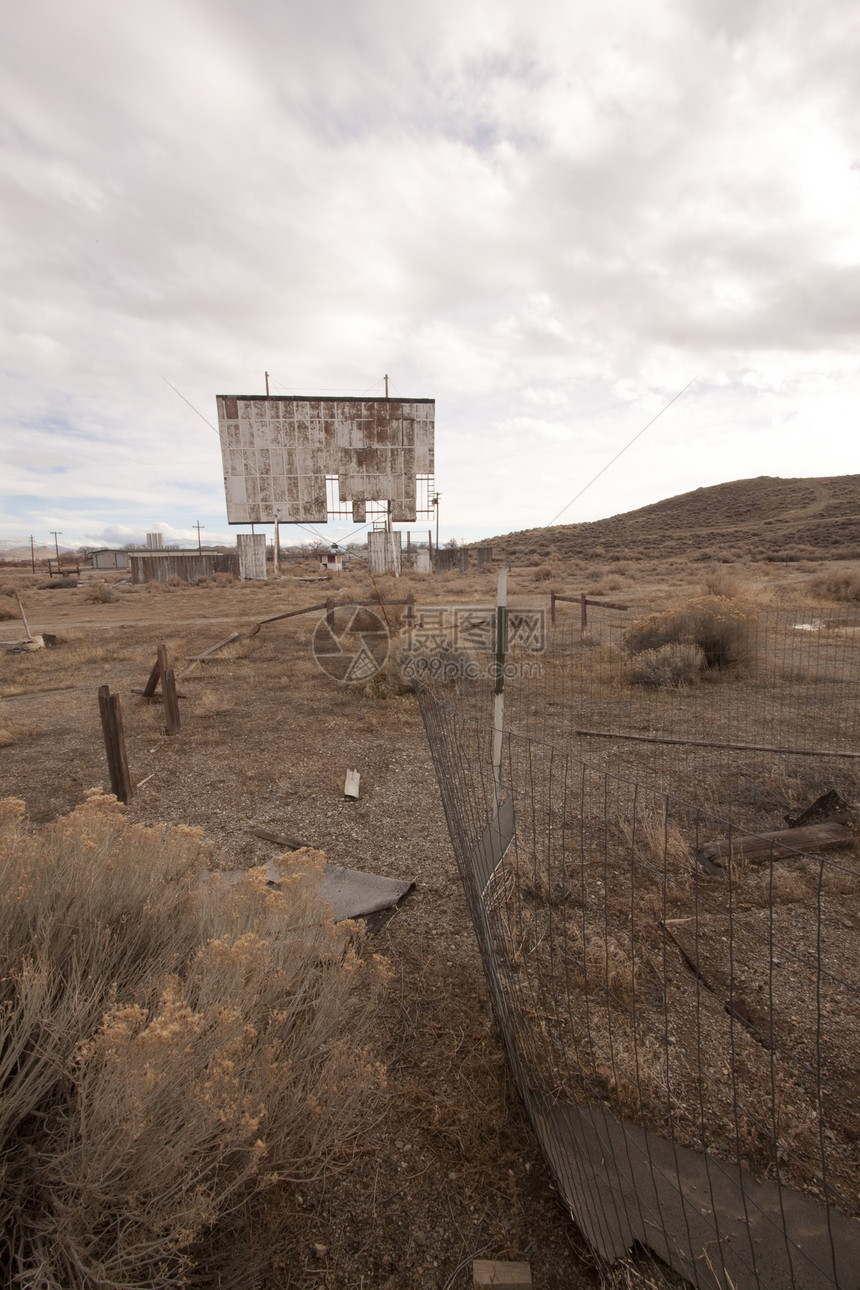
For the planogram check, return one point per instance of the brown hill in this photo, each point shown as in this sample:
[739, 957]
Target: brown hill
[749, 519]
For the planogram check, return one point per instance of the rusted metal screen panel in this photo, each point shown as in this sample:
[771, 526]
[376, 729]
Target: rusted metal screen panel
[277, 452]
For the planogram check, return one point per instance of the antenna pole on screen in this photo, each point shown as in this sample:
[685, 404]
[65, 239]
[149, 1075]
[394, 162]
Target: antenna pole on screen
[386, 385]
[267, 384]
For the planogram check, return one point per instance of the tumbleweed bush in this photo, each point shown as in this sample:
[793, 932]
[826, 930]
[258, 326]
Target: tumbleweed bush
[169, 1047]
[671, 665]
[717, 625]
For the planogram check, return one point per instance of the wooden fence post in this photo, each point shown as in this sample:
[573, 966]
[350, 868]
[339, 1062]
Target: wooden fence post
[583, 611]
[552, 607]
[111, 715]
[168, 693]
[329, 612]
[152, 684]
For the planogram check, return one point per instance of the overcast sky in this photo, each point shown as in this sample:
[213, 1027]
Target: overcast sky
[547, 216]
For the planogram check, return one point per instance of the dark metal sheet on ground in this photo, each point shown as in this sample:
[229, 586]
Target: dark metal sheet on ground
[351, 893]
[354, 894]
[625, 1185]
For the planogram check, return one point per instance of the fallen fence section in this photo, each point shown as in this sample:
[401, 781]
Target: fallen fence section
[685, 1042]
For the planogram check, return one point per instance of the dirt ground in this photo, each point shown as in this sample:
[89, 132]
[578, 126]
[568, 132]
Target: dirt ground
[451, 1171]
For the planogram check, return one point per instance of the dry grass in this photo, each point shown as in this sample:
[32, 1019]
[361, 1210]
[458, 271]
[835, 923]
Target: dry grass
[720, 582]
[717, 626]
[168, 1050]
[840, 587]
[100, 593]
[13, 732]
[211, 703]
[670, 665]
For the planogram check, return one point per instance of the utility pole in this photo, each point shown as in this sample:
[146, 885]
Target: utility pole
[267, 384]
[436, 504]
[386, 385]
[198, 526]
[32, 553]
[56, 533]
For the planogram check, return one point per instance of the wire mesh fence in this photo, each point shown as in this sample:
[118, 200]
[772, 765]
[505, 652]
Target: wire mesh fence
[677, 990]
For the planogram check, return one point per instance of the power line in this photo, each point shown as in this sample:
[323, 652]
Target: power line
[319, 538]
[191, 406]
[621, 452]
[353, 533]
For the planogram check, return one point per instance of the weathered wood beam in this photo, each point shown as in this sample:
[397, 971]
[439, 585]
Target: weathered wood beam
[829, 836]
[706, 743]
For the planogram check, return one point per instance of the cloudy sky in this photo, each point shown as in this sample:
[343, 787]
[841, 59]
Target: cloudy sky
[549, 215]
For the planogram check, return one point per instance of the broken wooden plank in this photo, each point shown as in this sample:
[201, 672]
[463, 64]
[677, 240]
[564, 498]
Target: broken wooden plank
[152, 684]
[198, 658]
[501, 1275]
[23, 616]
[136, 689]
[290, 613]
[47, 689]
[829, 806]
[168, 693]
[707, 743]
[577, 600]
[111, 717]
[830, 836]
[350, 788]
[289, 844]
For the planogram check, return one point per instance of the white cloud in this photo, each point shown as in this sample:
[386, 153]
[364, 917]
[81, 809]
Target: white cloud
[548, 216]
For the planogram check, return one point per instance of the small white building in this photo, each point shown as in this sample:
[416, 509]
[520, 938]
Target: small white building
[332, 561]
[108, 559]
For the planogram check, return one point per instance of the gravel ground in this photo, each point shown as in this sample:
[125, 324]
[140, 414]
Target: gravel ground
[451, 1170]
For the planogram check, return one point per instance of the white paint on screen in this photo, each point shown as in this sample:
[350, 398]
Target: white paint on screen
[277, 453]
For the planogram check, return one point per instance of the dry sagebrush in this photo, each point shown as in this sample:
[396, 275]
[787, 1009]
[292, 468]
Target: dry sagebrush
[168, 1048]
[719, 627]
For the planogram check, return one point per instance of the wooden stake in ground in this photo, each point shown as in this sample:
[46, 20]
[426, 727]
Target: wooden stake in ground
[23, 617]
[111, 715]
[149, 689]
[502, 1276]
[350, 788]
[168, 692]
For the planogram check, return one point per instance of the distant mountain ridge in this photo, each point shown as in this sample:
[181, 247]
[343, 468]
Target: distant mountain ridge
[749, 519]
[16, 552]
